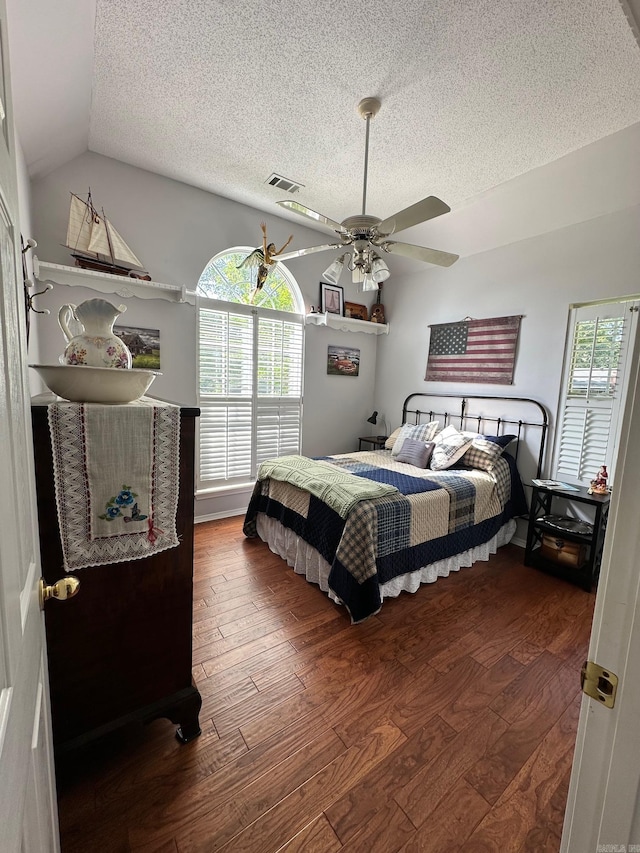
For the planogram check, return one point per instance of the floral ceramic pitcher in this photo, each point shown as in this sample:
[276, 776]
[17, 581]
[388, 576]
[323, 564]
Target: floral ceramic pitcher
[96, 345]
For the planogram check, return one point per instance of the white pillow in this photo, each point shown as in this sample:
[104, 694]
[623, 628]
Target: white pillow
[450, 445]
[450, 430]
[392, 439]
[418, 432]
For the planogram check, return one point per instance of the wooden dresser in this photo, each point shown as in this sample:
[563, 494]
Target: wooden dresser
[120, 650]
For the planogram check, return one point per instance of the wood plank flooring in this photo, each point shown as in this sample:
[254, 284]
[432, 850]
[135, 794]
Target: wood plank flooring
[445, 723]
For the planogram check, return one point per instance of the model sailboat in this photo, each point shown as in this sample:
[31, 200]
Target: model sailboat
[96, 245]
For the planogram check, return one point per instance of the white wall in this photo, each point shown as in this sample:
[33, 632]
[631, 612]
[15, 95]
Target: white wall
[595, 255]
[538, 278]
[592, 253]
[175, 230]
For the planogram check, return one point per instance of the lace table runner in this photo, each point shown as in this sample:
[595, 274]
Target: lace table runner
[116, 472]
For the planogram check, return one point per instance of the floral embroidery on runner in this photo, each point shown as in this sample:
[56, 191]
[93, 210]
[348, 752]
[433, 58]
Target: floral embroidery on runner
[122, 500]
[93, 444]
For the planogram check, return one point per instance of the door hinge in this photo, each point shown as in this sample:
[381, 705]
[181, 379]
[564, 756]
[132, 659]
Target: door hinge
[599, 683]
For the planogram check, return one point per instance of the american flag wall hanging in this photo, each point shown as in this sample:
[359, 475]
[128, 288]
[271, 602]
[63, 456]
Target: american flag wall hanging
[474, 351]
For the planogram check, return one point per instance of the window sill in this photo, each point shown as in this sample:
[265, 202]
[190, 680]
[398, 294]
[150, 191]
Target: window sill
[217, 491]
[347, 324]
[105, 283]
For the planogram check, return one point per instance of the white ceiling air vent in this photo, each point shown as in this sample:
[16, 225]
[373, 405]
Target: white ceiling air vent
[281, 183]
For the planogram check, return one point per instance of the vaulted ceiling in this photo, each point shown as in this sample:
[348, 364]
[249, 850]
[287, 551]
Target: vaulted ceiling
[220, 94]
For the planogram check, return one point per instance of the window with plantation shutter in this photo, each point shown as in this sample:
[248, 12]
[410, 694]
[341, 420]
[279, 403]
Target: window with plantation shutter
[250, 363]
[594, 385]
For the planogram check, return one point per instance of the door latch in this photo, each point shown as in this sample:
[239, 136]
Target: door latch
[599, 683]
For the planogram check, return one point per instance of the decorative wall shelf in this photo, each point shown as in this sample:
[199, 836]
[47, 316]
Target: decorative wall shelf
[347, 324]
[48, 273]
[105, 283]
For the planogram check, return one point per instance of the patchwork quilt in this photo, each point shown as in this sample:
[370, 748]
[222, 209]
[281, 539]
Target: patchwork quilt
[423, 516]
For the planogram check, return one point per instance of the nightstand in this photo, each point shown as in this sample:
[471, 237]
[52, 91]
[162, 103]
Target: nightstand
[375, 441]
[543, 537]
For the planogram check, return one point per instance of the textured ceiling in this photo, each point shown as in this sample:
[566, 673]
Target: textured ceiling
[221, 93]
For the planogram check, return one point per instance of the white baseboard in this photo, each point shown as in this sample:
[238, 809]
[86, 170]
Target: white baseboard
[214, 516]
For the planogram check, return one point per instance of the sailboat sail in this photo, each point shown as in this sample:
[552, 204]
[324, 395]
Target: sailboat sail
[80, 223]
[100, 240]
[90, 233]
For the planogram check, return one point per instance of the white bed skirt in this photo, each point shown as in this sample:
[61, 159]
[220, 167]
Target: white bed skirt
[305, 560]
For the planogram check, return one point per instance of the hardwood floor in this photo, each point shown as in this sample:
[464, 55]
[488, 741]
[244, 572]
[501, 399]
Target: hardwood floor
[445, 723]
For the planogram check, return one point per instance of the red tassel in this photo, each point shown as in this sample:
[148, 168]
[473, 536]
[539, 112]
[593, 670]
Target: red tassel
[152, 535]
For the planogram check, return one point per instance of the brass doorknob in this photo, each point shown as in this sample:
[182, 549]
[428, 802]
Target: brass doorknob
[62, 589]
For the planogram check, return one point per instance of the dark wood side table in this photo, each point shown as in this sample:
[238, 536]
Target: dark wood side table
[120, 651]
[586, 573]
[374, 440]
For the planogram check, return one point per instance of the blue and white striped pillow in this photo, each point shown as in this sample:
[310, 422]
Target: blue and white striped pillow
[416, 453]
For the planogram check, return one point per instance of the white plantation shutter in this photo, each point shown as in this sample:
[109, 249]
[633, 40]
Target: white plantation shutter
[594, 385]
[279, 399]
[584, 439]
[278, 429]
[250, 389]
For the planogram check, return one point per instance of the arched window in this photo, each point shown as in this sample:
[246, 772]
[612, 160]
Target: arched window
[250, 346]
[221, 279]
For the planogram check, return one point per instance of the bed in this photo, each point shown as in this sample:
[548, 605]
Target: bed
[369, 525]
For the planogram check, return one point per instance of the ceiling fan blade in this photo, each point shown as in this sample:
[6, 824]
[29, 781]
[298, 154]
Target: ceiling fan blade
[310, 250]
[301, 210]
[420, 253]
[421, 211]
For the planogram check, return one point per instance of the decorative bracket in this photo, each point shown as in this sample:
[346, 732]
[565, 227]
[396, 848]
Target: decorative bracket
[27, 283]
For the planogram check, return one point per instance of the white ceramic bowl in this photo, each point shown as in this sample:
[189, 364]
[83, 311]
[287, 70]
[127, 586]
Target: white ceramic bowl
[82, 384]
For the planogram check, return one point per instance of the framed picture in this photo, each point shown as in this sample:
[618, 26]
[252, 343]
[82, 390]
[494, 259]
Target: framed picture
[331, 298]
[343, 361]
[144, 345]
[355, 311]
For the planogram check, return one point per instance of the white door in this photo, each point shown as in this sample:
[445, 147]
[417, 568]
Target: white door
[603, 809]
[28, 814]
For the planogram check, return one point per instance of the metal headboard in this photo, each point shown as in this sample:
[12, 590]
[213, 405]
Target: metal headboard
[468, 417]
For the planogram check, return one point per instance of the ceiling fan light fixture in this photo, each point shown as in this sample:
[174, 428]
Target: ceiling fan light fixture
[334, 270]
[379, 269]
[368, 282]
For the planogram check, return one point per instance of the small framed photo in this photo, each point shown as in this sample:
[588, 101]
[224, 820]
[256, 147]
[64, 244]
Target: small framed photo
[343, 361]
[143, 344]
[356, 311]
[331, 299]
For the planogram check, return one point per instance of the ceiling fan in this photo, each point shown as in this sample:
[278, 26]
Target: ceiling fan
[369, 235]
